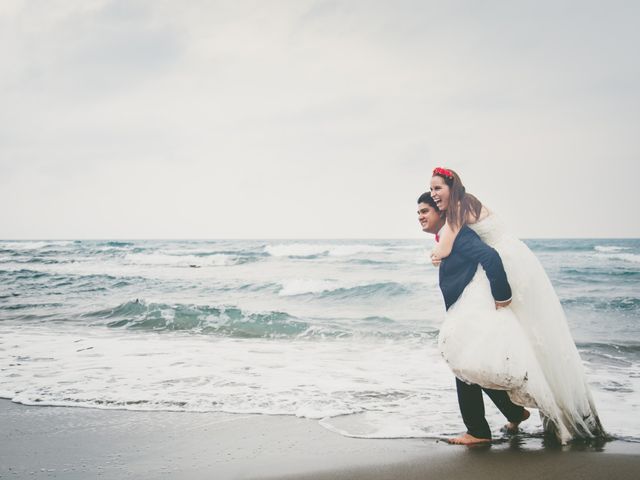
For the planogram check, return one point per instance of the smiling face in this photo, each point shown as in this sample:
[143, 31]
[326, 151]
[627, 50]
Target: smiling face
[429, 218]
[440, 192]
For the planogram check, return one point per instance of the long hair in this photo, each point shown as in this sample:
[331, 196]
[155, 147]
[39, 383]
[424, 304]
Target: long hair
[461, 204]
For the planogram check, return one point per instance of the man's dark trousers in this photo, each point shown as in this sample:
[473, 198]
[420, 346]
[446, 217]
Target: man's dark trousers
[472, 408]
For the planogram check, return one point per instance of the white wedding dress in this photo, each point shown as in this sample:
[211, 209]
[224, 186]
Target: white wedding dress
[526, 348]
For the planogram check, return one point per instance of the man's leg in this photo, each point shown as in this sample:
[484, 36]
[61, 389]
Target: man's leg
[472, 410]
[514, 413]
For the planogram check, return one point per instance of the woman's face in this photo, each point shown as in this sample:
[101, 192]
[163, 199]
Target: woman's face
[440, 192]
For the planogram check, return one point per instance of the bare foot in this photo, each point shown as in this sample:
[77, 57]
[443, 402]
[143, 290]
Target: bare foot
[467, 439]
[512, 427]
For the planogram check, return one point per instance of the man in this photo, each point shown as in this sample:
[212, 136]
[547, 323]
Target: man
[456, 271]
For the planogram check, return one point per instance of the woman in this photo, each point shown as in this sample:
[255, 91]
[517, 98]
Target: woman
[531, 354]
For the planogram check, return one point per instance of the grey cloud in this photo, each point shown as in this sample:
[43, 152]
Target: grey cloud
[94, 51]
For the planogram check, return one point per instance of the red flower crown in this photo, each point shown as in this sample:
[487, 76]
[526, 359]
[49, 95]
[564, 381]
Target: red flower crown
[443, 172]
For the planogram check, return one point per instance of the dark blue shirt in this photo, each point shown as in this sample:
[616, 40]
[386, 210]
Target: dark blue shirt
[457, 270]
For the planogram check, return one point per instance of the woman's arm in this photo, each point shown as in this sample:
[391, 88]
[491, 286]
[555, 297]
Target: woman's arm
[445, 245]
[448, 236]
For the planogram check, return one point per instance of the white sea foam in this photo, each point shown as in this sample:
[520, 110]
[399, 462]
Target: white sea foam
[176, 372]
[609, 248]
[628, 257]
[404, 390]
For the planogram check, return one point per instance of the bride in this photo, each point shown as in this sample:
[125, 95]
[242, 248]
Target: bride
[528, 350]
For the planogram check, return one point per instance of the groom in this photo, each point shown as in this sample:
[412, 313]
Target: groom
[456, 271]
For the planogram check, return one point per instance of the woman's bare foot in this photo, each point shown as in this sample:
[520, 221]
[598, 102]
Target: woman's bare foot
[467, 439]
[512, 427]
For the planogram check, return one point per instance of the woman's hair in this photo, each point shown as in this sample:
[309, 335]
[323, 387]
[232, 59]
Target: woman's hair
[461, 203]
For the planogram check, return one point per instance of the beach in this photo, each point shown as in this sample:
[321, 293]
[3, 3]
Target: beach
[79, 443]
[213, 264]
[281, 359]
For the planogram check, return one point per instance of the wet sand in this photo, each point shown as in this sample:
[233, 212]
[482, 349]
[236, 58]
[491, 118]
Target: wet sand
[78, 443]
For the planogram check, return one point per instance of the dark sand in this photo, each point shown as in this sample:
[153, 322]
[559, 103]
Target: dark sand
[77, 443]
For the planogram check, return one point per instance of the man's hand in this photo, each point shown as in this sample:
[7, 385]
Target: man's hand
[435, 260]
[506, 303]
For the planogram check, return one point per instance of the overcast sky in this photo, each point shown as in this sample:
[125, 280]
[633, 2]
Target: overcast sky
[315, 119]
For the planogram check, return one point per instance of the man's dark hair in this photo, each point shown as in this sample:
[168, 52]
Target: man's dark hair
[426, 198]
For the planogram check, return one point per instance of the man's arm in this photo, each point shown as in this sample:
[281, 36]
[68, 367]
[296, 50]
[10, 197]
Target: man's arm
[470, 245]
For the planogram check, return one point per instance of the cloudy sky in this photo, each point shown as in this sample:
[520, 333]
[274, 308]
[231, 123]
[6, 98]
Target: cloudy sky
[315, 119]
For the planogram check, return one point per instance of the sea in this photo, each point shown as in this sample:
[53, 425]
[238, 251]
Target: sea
[340, 331]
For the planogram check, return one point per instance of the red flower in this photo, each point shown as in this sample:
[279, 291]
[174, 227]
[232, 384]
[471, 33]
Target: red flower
[443, 172]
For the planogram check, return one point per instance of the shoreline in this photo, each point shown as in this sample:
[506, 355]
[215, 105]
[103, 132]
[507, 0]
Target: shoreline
[75, 443]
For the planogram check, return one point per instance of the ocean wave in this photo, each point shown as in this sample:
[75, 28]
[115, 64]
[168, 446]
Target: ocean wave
[21, 274]
[111, 247]
[625, 257]
[333, 289]
[313, 250]
[609, 248]
[22, 306]
[367, 261]
[208, 251]
[233, 322]
[303, 286]
[44, 258]
[348, 250]
[591, 274]
[383, 289]
[625, 349]
[30, 282]
[224, 320]
[216, 260]
[44, 261]
[610, 355]
[296, 250]
[34, 245]
[624, 304]
[559, 245]
[115, 244]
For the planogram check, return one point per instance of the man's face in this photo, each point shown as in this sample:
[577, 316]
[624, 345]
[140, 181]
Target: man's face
[429, 218]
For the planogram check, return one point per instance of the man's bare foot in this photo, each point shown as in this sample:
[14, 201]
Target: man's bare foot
[512, 427]
[467, 439]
